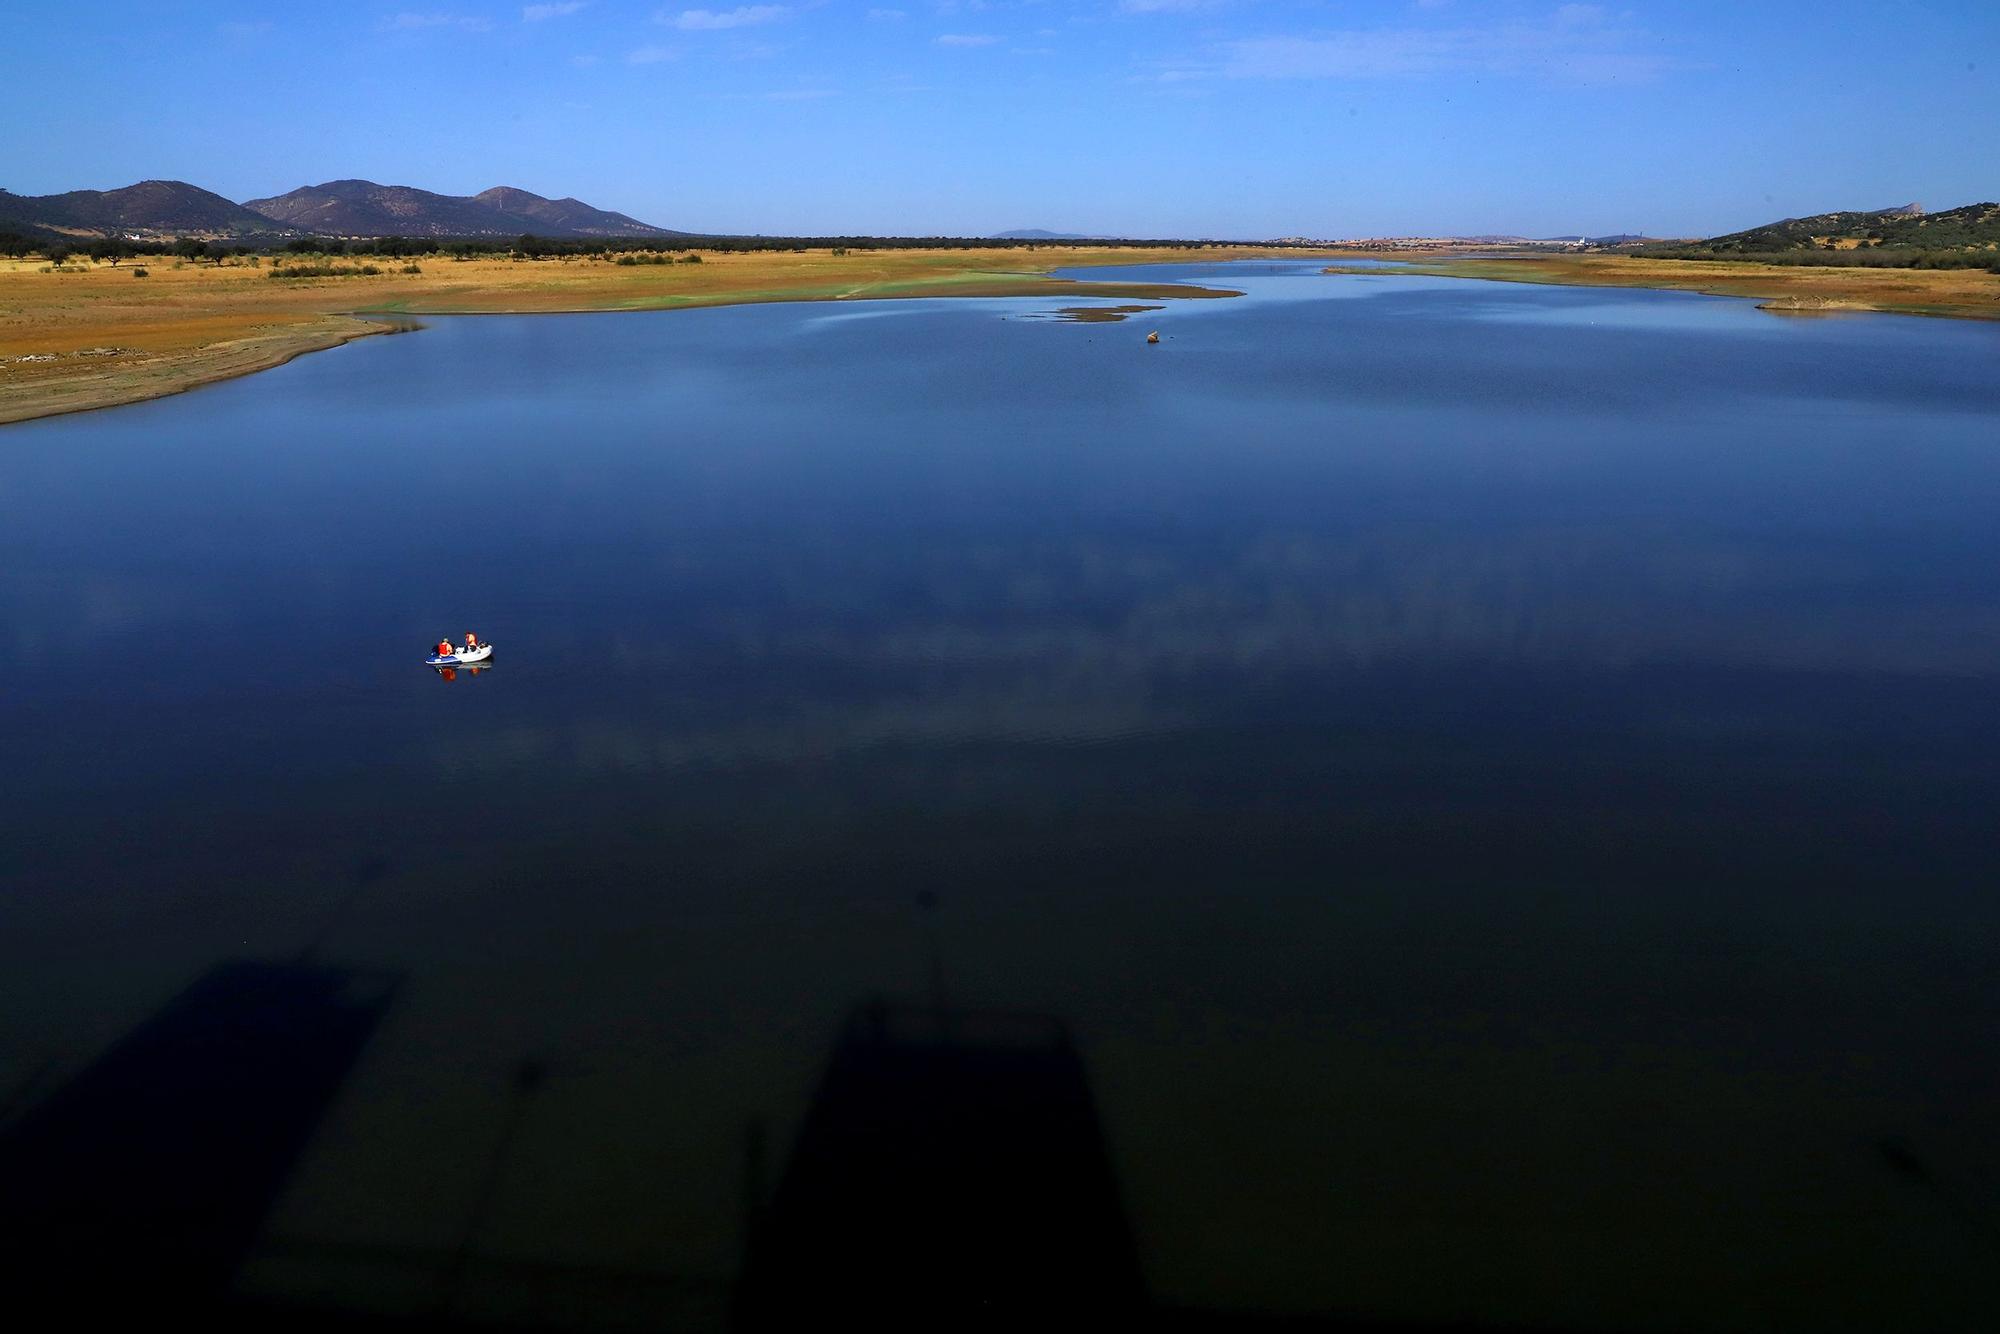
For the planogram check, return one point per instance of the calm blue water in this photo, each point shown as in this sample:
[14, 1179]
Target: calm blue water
[1499, 779]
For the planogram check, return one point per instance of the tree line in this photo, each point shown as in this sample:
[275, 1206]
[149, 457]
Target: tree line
[16, 243]
[1864, 257]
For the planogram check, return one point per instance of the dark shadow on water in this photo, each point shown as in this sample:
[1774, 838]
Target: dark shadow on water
[144, 1180]
[951, 1171]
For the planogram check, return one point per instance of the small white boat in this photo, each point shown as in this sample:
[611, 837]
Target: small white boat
[462, 658]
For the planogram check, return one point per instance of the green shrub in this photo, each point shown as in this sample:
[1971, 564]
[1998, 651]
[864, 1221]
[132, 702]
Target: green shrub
[139, 272]
[325, 271]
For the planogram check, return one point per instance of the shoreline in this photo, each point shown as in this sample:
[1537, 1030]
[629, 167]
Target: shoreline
[86, 339]
[220, 362]
[1781, 289]
[109, 363]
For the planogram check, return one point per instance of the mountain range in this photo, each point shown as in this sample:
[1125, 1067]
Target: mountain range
[363, 208]
[153, 209]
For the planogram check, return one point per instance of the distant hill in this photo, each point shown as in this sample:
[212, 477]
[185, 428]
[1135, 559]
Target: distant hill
[1037, 234]
[363, 208]
[1616, 238]
[1574, 238]
[15, 222]
[566, 217]
[150, 208]
[1908, 227]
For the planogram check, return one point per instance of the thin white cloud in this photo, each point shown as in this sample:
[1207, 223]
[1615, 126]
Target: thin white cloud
[421, 22]
[967, 39]
[651, 55]
[1576, 43]
[711, 20]
[537, 13]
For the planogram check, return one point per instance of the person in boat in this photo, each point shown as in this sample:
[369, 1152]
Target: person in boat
[444, 648]
[471, 642]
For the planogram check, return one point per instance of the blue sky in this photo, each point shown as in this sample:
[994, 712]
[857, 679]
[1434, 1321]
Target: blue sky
[1241, 118]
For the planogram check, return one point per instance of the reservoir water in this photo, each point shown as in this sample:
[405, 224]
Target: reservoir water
[1495, 783]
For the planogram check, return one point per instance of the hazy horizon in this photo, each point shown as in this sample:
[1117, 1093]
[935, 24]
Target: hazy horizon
[1133, 118]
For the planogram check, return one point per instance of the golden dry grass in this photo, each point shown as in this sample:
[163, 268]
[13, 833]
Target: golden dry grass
[1785, 288]
[99, 336]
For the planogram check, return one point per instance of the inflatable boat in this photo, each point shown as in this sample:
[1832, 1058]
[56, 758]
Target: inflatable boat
[462, 658]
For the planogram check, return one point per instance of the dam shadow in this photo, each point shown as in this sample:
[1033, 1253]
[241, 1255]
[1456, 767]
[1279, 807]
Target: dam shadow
[951, 1172]
[142, 1183]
